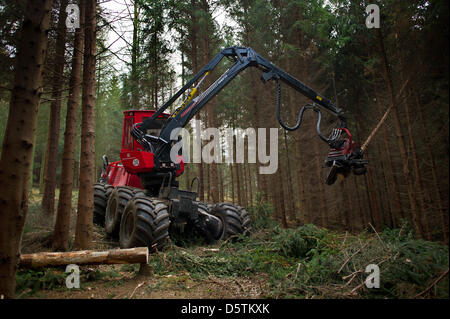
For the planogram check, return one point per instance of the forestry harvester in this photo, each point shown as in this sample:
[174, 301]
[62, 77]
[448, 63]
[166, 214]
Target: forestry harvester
[137, 198]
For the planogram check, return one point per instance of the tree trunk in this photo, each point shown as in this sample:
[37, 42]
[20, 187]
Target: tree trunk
[250, 184]
[400, 138]
[322, 201]
[434, 169]
[393, 177]
[366, 205]
[373, 200]
[292, 214]
[48, 200]
[238, 184]
[137, 255]
[134, 58]
[194, 59]
[210, 109]
[280, 197]
[221, 184]
[417, 173]
[232, 182]
[19, 136]
[83, 232]
[62, 225]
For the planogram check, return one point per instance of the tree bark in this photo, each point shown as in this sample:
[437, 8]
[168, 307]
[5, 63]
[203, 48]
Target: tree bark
[238, 184]
[19, 137]
[207, 32]
[193, 39]
[83, 232]
[434, 169]
[62, 225]
[292, 200]
[400, 138]
[134, 58]
[280, 197]
[250, 187]
[418, 174]
[395, 189]
[322, 201]
[48, 199]
[232, 183]
[85, 257]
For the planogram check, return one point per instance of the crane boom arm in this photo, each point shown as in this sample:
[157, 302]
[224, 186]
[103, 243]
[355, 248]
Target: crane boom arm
[344, 154]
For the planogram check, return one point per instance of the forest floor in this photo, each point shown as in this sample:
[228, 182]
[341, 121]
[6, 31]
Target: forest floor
[306, 262]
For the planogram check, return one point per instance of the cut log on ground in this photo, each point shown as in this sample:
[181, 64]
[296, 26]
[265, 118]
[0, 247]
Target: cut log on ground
[85, 257]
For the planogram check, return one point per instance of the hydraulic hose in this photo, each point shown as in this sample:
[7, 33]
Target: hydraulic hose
[300, 116]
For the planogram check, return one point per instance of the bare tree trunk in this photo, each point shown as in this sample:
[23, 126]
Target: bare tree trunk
[244, 184]
[434, 169]
[373, 199]
[361, 211]
[238, 184]
[280, 197]
[232, 183]
[250, 187]
[194, 58]
[208, 192]
[83, 232]
[393, 177]
[62, 226]
[400, 138]
[322, 202]
[48, 200]
[19, 137]
[349, 216]
[42, 172]
[367, 204]
[134, 58]
[420, 190]
[221, 184]
[210, 109]
[290, 185]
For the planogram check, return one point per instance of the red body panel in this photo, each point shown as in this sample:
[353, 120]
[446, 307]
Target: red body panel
[134, 160]
[116, 175]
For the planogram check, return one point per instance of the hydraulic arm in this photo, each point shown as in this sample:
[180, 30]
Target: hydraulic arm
[344, 155]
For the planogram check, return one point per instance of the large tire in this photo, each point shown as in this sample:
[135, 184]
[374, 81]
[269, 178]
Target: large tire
[101, 195]
[235, 220]
[245, 220]
[116, 204]
[145, 222]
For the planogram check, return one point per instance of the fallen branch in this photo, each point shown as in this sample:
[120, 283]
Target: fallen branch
[433, 284]
[373, 228]
[349, 258]
[137, 287]
[85, 257]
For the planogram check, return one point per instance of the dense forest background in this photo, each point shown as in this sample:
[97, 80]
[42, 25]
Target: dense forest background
[325, 44]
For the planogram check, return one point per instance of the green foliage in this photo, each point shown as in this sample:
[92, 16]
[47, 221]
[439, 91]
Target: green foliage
[39, 280]
[309, 261]
[262, 214]
[301, 242]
